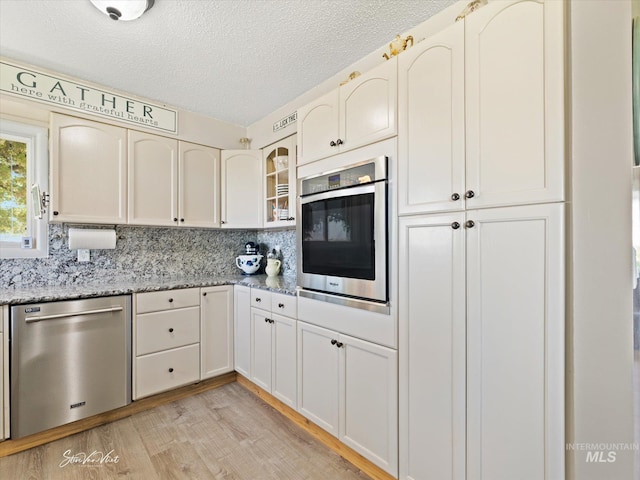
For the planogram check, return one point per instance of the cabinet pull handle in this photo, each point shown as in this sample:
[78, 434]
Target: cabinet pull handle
[171, 300]
[333, 341]
[470, 194]
[332, 143]
[470, 224]
[455, 225]
[281, 305]
[170, 370]
[171, 330]
[339, 142]
[455, 196]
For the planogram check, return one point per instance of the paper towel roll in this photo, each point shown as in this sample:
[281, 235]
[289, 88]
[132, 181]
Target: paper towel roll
[91, 238]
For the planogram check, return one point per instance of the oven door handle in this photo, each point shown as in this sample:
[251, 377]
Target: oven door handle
[343, 192]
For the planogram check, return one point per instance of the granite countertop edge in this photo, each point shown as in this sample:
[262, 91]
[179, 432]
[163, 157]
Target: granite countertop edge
[49, 293]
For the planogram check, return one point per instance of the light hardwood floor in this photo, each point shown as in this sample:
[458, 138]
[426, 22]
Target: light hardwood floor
[226, 433]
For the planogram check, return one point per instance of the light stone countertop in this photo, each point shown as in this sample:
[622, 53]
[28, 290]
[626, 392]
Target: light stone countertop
[279, 284]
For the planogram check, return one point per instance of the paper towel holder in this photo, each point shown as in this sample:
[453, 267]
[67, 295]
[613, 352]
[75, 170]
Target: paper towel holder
[91, 238]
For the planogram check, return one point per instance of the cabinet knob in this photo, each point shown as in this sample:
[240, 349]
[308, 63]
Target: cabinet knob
[271, 320]
[175, 219]
[55, 212]
[171, 300]
[455, 225]
[171, 370]
[222, 222]
[291, 218]
[171, 330]
[339, 142]
[332, 143]
[266, 320]
[333, 341]
[470, 224]
[470, 194]
[258, 299]
[204, 294]
[339, 344]
[281, 305]
[182, 219]
[455, 196]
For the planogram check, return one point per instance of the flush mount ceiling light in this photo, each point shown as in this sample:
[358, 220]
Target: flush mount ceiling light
[123, 9]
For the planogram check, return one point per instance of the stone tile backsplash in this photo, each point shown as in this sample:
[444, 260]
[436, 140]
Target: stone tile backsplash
[145, 252]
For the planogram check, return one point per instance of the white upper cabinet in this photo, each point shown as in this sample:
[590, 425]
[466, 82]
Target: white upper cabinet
[153, 179]
[241, 189]
[199, 185]
[88, 171]
[431, 123]
[514, 77]
[280, 183]
[358, 113]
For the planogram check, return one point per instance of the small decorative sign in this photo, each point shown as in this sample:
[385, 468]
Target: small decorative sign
[41, 87]
[285, 122]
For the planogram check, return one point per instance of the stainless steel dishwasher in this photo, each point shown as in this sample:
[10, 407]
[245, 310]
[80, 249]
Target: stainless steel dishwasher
[69, 360]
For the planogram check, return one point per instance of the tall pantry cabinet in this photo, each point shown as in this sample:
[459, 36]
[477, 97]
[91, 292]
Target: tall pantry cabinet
[481, 242]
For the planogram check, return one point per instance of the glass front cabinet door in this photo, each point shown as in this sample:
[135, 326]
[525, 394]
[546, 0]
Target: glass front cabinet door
[280, 183]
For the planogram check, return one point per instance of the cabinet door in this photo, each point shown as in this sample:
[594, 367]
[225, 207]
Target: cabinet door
[199, 185]
[261, 348]
[2, 374]
[514, 99]
[431, 128]
[241, 189]
[319, 376]
[368, 105]
[280, 183]
[369, 401]
[88, 171]
[216, 331]
[284, 372]
[153, 179]
[318, 128]
[242, 329]
[515, 343]
[432, 347]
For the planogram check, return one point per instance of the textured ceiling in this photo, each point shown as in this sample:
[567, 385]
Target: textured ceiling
[235, 60]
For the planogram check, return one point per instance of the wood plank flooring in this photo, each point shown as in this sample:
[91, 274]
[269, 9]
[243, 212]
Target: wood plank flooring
[227, 433]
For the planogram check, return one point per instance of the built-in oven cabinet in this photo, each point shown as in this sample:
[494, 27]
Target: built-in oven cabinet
[166, 340]
[273, 345]
[279, 163]
[481, 109]
[4, 372]
[216, 331]
[358, 113]
[349, 388]
[241, 189]
[88, 177]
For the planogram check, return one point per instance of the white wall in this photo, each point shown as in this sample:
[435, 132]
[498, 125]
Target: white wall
[599, 349]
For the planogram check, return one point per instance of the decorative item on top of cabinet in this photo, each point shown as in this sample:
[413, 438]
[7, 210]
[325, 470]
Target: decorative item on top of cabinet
[88, 171]
[358, 113]
[216, 331]
[241, 189]
[500, 371]
[398, 45]
[349, 388]
[514, 142]
[280, 183]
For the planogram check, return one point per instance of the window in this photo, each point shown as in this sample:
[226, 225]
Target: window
[23, 175]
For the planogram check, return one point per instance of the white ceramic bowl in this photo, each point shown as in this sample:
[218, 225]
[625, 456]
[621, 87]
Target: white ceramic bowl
[249, 264]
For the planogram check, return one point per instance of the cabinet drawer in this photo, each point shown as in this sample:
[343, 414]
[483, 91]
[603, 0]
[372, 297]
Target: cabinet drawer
[169, 299]
[284, 304]
[169, 329]
[261, 299]
[162, 371]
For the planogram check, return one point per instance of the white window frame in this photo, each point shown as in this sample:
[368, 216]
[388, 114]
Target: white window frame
[36, 138]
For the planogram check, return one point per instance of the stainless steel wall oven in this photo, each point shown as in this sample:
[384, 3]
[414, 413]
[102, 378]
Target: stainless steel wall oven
[342, 235]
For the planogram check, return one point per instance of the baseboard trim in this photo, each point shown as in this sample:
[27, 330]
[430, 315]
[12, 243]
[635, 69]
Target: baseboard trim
[350, 455]
[9, 447]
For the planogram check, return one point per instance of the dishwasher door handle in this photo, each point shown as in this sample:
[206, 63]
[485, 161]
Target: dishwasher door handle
[71, 314]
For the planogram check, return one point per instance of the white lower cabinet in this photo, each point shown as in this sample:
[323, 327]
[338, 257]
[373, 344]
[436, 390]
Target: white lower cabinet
[4, 372]
[273, 350]
[349, 388]
[216, 331]
[482, 344]
[242, 329]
